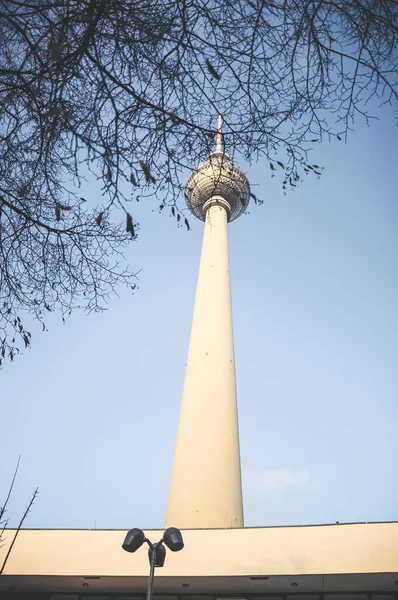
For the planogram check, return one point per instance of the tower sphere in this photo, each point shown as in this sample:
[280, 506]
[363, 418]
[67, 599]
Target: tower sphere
[217, 180]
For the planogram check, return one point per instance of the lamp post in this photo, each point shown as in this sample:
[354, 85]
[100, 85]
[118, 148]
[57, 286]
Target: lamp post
[134, 539]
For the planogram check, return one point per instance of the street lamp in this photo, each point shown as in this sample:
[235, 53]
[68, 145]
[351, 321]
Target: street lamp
[157, 552]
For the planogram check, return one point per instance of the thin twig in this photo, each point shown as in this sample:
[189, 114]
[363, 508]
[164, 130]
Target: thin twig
[18, 529]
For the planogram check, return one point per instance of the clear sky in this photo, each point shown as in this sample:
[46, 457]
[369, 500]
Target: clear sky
[93, 406]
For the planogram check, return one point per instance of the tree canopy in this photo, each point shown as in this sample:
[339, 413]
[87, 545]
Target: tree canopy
[126, 93]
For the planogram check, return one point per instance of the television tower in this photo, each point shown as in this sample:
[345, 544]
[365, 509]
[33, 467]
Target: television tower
[206, 489]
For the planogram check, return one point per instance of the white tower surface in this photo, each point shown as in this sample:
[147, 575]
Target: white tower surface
[205, 488]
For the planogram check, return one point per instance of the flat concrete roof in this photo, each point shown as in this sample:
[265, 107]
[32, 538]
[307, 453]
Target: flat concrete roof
[250, 561]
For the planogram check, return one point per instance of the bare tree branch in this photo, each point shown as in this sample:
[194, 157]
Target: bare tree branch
[21, 522]
[126, 93]
[4, 507]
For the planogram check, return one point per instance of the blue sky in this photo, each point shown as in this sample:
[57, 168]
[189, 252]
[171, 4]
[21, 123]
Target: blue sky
[93, 406]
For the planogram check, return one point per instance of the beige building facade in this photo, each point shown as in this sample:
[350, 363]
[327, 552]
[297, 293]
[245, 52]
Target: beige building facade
[329, 562]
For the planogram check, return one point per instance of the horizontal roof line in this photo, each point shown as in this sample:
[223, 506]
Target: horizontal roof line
[205, 529]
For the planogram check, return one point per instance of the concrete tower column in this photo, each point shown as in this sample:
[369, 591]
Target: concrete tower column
[205, 490]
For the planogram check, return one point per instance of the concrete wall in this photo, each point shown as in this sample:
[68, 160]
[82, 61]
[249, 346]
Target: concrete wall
[355, 548]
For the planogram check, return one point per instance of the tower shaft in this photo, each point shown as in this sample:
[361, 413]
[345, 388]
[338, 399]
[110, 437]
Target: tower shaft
[205, 489]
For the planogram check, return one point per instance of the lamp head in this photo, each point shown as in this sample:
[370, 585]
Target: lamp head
[133, 540]
[172, 537]
[160, 554]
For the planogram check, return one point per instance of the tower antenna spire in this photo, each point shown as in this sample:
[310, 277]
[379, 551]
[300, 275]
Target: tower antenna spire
[219, 135]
